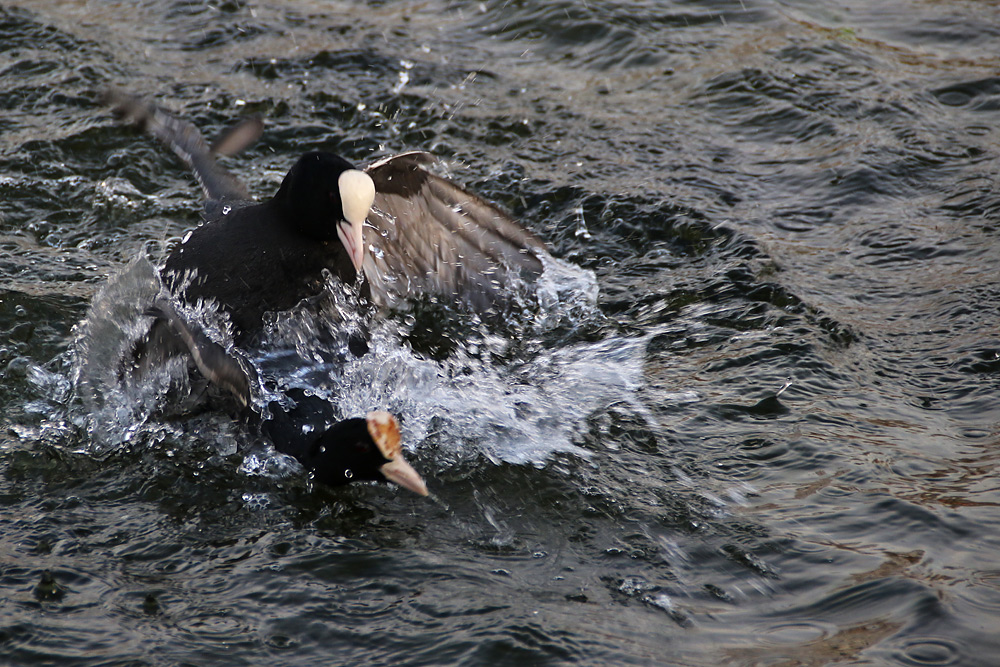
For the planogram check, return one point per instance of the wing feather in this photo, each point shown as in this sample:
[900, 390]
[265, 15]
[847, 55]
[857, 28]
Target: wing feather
[187, 142]
[427, 235]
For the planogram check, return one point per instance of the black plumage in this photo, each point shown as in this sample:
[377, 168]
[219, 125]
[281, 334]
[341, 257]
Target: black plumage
[300, 424]
[253, 258]
[269, 256]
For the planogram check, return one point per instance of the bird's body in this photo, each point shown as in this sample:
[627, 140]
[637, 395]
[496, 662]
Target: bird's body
[419, 234]
[250, 263]
[251, 258]
[410, 232]
[299, 424]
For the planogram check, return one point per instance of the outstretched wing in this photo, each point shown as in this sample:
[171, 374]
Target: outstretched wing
[427, 235]
[184, 139]
[214, 363]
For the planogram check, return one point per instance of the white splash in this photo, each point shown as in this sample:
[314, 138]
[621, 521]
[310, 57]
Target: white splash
[564, 291]
[467, 407]
[470, 406]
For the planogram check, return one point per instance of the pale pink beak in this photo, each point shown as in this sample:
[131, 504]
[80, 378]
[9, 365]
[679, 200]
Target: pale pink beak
[349, 234]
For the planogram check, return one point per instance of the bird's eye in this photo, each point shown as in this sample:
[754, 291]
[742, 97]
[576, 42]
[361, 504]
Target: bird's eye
[348, 474]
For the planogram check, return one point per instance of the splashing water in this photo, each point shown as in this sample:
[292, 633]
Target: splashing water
[468, 405]
[564, 292]
[115, 407]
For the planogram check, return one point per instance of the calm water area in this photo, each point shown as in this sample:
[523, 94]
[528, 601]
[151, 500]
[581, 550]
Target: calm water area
[770, 439]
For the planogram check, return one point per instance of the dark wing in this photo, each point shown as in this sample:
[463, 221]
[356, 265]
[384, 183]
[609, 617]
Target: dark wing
[212, 360]
[157, 347]
[427, 235]
[240, 136]
[184, 139]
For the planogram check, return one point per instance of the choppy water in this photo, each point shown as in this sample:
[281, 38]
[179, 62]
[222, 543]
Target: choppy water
[773, 441]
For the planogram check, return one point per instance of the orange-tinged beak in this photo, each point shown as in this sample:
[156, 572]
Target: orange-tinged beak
[400, 472]
[384, 430]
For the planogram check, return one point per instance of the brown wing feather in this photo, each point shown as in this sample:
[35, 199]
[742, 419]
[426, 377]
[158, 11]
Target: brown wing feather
[184, 139]
[427, 235]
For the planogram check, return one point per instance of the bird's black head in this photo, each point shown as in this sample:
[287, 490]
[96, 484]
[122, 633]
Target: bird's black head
[323, 196]
[362, 449]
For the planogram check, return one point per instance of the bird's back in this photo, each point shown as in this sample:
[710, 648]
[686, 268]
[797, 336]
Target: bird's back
[250, 263]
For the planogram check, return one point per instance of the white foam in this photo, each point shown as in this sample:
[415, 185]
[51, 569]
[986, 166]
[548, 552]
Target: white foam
[467, 407]
[565, 291]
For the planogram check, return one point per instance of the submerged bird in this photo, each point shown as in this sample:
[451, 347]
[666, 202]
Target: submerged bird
[302, 425]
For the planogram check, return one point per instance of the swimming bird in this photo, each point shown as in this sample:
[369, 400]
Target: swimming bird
[411, 232]
[252, 258]
[300, 424]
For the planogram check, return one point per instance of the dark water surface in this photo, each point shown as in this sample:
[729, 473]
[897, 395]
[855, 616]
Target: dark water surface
[797, 195]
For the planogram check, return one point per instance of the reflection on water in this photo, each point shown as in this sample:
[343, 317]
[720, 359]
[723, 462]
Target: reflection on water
[767, 435]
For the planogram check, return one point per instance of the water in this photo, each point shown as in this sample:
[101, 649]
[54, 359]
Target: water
[773, 441]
